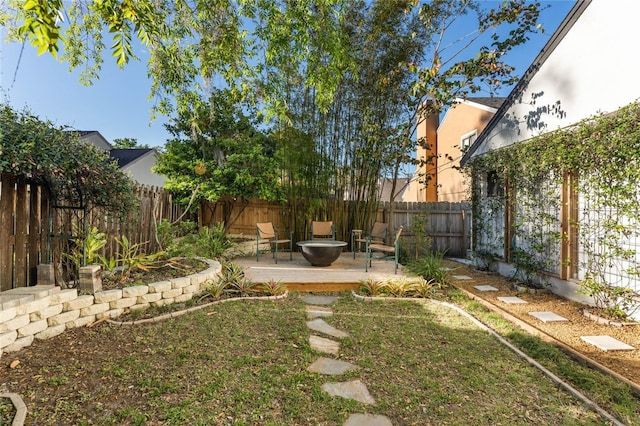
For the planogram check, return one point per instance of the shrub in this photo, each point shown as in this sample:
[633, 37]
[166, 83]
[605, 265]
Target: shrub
[429, 267]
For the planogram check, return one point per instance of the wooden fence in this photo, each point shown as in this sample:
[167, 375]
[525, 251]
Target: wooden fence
[33, 230]
[447, 224]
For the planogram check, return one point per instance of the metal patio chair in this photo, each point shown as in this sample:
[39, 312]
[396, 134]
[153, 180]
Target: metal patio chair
[389, 251]
[377, 235]
[267, 233]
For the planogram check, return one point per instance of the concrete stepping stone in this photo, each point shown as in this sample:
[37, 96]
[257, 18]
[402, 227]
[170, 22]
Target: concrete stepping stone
[485, 288]
[511, 299]
[355, 390]
[607, 343]
[331, 366]
[319, 300]
[321, 344]
[461, 277]
[318, 311]
[367, 420]
[320, 325]
[547, 316]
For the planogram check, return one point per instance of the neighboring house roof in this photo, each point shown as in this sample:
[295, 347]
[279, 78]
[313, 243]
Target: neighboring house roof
[126, 156]
[94, 137]
[489, 101]
[544, 54]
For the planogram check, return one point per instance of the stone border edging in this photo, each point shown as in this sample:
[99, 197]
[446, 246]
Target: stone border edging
[604, 321]
[195, 308]
[19, 405]
[573, 391]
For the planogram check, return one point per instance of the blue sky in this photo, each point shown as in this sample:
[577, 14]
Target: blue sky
[116, 105]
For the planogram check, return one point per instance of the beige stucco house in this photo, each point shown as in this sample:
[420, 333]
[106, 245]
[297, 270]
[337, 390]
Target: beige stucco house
[447, 140]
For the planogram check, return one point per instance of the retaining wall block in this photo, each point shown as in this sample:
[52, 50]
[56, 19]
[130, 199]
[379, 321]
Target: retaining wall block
[161, 302]
[8, 338]
[81, 322]
[80, 302]
[160, 286]
[20, 343]
[140, 306]
[35, 305]
[107, 296]
[191, 289]
[180, 282]
[64, 296]
[46, 312]
[125, 302]
[63, 318]
[197, 279]
[94, 309]
[7, 314]
[170, 294]
[183, 297]
[135, 291]
[51, 332]
[14, 324]
[149, 297]
[33, 328]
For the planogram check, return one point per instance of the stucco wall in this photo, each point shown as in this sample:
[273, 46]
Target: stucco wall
[460, 120]
[590, 71]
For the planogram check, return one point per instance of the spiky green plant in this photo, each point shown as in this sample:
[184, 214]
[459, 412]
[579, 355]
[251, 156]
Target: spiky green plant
[372, 287]
[399, 287]
[273, 287]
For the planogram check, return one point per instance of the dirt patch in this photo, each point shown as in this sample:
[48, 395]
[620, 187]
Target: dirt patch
[625, 363]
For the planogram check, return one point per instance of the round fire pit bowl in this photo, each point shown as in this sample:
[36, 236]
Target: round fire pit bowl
[321, 252]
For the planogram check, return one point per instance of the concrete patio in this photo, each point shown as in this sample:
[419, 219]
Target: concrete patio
[298, 274]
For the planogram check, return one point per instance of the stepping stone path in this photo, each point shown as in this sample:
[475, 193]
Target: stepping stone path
[547, 316]
[317, 306]
[511, 299]
[607, 343]
[318, 311]
[461, 277]
[485, 288]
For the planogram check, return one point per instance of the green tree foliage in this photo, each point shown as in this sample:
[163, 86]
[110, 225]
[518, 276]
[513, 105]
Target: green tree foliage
[257, 46]
[217, 152]
[190, 42]
[128, 143]
[72, 171]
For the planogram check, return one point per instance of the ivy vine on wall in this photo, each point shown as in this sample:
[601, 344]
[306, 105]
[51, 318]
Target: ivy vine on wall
[602, 156]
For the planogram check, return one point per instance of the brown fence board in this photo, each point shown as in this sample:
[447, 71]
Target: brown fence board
[27, 238]
[7, 196]
[21, 228]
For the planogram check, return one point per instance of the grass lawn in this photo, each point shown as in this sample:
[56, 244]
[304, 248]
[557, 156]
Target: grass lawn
[244, 363]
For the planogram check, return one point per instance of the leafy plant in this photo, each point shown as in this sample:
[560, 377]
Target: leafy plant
[426, 288]
[420, 243]
[429, 267]
[399, 287]
[273, 287]
[210, 242]
[372, 287]
[215, 288]
[86, 250]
